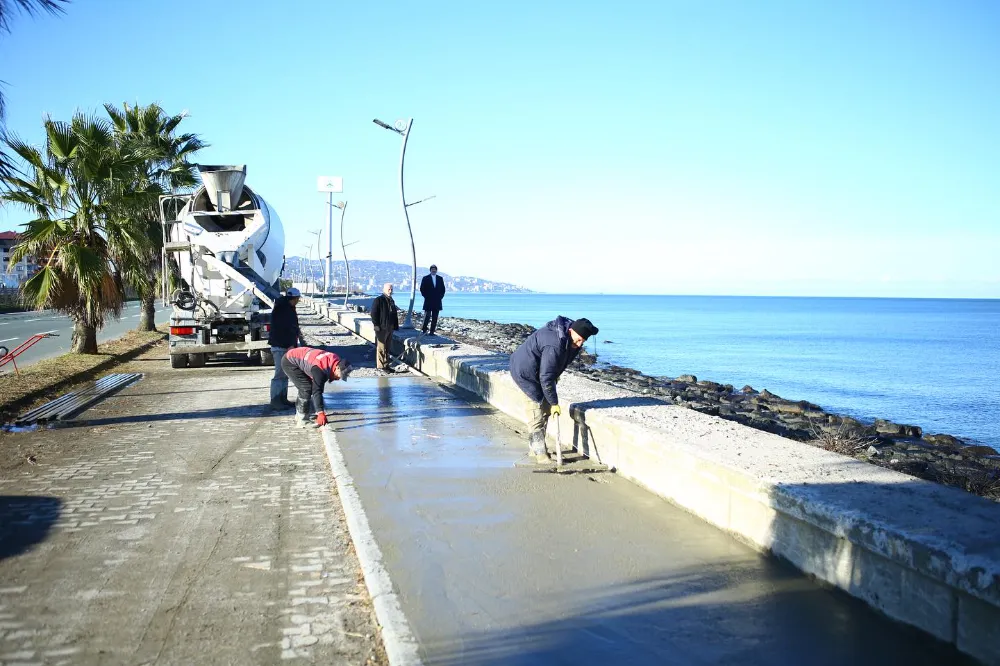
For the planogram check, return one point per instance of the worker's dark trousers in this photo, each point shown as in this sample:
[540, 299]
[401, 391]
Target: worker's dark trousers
[537, 424]
[303, 385]
[432, 317]
[382, 344]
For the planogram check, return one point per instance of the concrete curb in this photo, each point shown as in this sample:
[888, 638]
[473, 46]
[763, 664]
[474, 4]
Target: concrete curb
[923, 554]
[401, 647]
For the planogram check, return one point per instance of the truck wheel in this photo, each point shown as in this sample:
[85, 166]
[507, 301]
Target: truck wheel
[178, 361]
[266, 357]
[197, 360]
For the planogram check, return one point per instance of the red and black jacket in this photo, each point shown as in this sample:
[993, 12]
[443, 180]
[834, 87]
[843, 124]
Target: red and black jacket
[318, 365]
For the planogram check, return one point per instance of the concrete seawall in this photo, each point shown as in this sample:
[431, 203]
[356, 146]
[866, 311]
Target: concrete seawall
[922, 553]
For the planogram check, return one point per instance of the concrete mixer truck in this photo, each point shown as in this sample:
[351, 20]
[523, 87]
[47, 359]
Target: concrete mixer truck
[223, 248]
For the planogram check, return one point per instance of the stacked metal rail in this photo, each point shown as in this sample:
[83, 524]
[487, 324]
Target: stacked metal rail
[67, 406]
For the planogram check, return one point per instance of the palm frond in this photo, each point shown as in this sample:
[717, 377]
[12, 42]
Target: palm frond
[60, 139]
[40, 289]
[31, 155]
[29, 7]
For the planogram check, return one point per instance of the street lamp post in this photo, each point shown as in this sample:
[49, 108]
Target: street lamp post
[329, 184]
[403, 129]
[347, 266]
[309, 249]
[329, 250]
[319, 239]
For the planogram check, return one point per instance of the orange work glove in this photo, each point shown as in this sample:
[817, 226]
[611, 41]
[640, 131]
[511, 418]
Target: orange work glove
[321, 419]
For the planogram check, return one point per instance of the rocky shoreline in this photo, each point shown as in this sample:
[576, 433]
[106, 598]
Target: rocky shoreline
[905, 448]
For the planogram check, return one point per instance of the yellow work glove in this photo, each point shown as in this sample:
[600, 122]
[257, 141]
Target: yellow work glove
[555, 410]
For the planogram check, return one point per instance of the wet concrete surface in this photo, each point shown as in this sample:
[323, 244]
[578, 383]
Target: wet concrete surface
[495, 564]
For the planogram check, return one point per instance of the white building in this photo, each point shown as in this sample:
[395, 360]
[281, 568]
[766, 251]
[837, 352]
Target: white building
[13, 276]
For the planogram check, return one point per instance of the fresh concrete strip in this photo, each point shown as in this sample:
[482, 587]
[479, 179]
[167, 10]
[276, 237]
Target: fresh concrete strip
[924, 554]
[400, 646]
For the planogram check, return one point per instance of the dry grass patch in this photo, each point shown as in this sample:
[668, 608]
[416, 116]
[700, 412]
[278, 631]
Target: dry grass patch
[846, 440]
[48, 379]
[985, 483]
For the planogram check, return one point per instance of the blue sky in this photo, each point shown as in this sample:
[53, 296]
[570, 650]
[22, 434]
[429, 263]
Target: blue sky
[774, 148]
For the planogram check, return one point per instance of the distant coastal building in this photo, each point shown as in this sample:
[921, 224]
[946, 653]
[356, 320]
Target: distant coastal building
[368, 275]
[12, 275]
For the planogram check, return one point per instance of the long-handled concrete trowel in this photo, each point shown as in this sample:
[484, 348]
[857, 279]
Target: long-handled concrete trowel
[573, 462]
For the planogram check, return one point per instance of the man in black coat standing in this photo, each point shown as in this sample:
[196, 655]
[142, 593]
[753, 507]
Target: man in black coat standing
[535, 367]
[283, 335]
[385, 318]
[432, 289]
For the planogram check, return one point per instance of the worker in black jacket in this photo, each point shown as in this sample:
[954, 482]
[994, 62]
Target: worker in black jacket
[385, 318]
[284, 335]
[535, 367]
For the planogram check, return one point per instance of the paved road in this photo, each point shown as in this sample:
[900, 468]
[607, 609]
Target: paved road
[16, 328]
[178, 522]
[497, 565]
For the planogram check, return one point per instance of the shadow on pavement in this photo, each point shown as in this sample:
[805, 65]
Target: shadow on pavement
[25, 521]
[246, 411]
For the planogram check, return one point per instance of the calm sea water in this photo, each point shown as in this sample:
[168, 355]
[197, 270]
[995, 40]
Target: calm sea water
[927, 362]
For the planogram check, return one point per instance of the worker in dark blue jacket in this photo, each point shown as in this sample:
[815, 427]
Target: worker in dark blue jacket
[284, 334]
[535, 367]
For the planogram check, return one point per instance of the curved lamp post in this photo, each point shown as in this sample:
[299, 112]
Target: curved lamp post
[309, 249]
[319, 239]
[342, 205]
[403, 129]
[329, 184]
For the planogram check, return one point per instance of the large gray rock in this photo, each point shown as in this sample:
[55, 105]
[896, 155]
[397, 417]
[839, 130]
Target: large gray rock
[884, 427]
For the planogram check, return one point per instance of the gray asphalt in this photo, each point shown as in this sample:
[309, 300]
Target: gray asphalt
[18, 327]
[495, 564]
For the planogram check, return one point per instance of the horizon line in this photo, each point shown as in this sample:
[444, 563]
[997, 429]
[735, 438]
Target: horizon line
[615, 293]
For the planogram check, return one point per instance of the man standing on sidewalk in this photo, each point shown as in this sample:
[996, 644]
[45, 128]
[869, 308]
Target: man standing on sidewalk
[310, 369]
[432, 289]
[385, 318]
[535, 367]
[284, 335]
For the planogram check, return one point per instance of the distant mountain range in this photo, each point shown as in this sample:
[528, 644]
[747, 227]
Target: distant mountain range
[369, 276]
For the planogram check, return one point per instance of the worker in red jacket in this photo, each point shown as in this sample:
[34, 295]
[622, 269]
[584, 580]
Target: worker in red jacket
[310, 369]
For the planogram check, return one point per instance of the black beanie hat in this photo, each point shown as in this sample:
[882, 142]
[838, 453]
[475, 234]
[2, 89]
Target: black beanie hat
[584, 328]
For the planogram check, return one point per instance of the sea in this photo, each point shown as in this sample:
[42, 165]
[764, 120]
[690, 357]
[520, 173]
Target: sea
[934, 363]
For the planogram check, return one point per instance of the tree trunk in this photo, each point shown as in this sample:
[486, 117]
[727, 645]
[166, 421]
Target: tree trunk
[147, 318]
[84, 338]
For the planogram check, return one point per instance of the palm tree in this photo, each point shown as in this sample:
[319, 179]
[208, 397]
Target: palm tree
[150, 129]
[82, 190]
[7, 8]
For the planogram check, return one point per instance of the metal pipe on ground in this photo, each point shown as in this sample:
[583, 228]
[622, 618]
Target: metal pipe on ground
[73, 403]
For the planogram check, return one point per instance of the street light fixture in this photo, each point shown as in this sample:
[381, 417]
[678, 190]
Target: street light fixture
[403, 129]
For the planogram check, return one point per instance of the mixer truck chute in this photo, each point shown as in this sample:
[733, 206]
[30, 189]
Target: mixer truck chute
[226, 247]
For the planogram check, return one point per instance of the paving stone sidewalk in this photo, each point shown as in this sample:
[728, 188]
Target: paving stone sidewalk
[180, 522]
